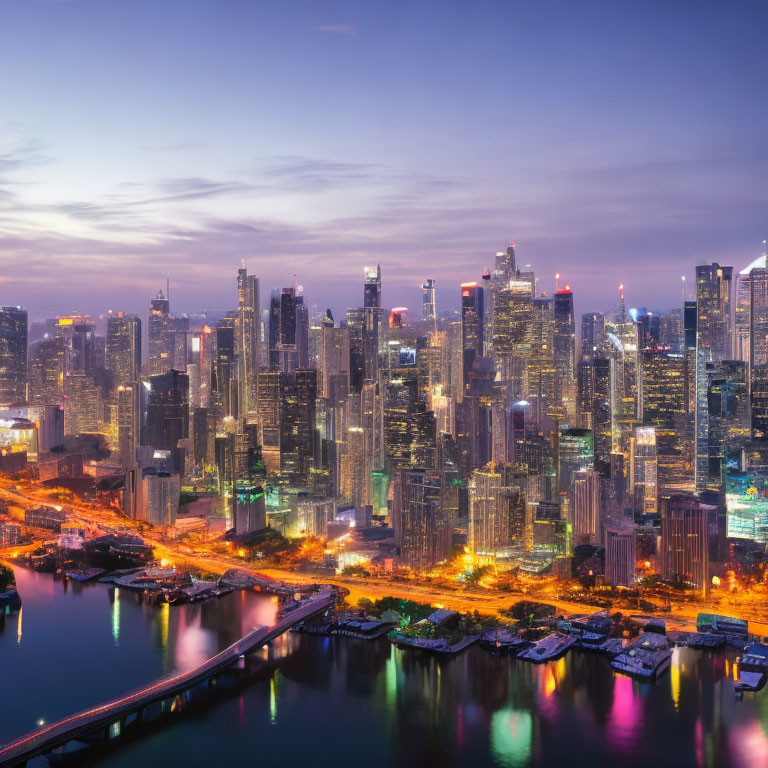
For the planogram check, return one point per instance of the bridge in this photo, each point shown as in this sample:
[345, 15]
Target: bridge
[82, 725]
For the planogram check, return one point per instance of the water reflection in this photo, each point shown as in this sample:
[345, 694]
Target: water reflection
[391, 706]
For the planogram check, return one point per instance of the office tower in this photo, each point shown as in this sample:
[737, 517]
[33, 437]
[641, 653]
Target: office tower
[159, 335]
[202, 345]
[727, 416]
[472, 312]
[401, 409]
[128, 423]
[587, 518]
[81, 404]
[224, 385]
[13, 355]
[662, 386]
[758, 385]
[428, 305]
[298, 435]
[288, 330]
[123, 350]
[372, 322]
[496, 510]
[643, 470]
[541, 363]
[354, 324]
[159, 496]
[751, 310]
[333, 367]
[552, 536]
[564, 341]
[685, 540]
[648, 329]
[421, 524]
[166, 425]
[713, 337]
[620, 556]
[575, 452]
[178, 341]
[592, 334]
[512, 321]
[250, 508]
[671, 329]
[713, 306]
[46, 371]
[624, 370]
[247, 344]
[269, 415]
[505, 266]
[688, 349]
[302, 332]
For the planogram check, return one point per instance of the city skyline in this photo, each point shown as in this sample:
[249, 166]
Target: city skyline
[176, 140]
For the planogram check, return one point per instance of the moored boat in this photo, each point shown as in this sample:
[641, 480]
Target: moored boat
[646, 658]
[548, 649]
[753, 668]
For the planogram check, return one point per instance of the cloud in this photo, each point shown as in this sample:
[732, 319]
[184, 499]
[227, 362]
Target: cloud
[339, 29]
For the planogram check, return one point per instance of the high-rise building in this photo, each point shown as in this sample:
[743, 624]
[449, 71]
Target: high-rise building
[46, 371]
[13, 355]
[685, 540]
[643, 470]
[428, 304]
[713, 306]
[620, 556]
[123, 347]
[592, 334]
[662, 386]
[758, 387]
[472, 312]
[587, 517]
[564, 341]
[81, 404]
[159, 336]
[128, 422]
[224, 387]
[372, 329]
[421, 524]
[166, 425]
[298, 432]
[247, 340]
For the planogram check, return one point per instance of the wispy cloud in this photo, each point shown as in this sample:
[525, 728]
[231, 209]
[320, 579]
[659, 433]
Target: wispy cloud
[339, 29]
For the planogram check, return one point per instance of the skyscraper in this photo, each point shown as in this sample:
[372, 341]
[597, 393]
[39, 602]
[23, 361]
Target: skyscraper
[620, 556]
[428, 305]
[564, 340]
[167, 417]
[13, 355]
[372, 322]
[247, 340]
[159, 336]
[123, 350]
[685, 540]
[471, 327]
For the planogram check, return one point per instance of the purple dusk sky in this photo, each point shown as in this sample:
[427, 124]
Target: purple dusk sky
[613, 141]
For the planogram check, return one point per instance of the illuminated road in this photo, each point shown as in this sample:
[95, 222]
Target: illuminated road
[683, 616]
[94, 719]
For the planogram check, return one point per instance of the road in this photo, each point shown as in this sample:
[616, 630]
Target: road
[683, 615]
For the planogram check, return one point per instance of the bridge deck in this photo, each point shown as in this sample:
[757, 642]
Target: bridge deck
[58, 733]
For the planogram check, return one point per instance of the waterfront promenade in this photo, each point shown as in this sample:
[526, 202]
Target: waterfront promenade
[95, 721]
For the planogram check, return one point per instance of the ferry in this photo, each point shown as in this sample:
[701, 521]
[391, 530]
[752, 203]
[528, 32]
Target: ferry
[548, 649]
[753, 668]
[646, 658]
[597, 627]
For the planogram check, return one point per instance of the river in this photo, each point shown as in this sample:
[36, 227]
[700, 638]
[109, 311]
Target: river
[314, 701]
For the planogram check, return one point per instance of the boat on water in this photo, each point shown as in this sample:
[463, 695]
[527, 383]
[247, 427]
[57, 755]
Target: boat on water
[551, 647]
[597, 627]
[753, 668]
[734, 630]
[84, 574]
[613, 646]
[503, 640]
[646, 658]
[701, 640]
